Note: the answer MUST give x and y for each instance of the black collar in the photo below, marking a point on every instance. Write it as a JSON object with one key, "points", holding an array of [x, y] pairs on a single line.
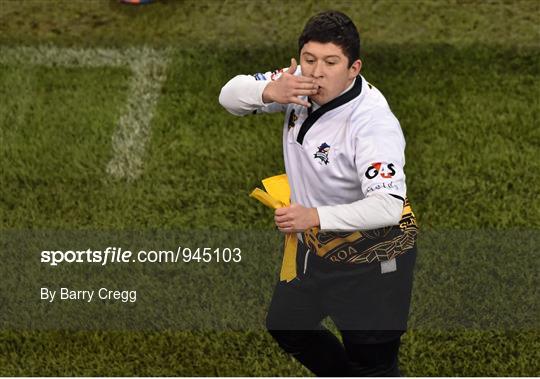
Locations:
{"points": [[338, 101]]}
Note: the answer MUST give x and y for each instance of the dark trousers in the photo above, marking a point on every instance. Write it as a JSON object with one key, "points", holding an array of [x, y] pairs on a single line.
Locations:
{"points": [[370, 309]]}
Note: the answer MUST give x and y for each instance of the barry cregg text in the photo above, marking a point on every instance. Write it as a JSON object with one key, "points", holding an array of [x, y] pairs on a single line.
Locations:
{"points": [[88, 295]]}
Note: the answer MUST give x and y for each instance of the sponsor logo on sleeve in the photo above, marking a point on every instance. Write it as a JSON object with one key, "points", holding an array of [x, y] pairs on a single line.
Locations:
{"points": [[385, 170], [322, 154], [384, 185]]}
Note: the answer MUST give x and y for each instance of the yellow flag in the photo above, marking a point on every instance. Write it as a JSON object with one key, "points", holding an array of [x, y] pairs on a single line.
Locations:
{"points": [[278, 187], [278, 195], [266, 199]]}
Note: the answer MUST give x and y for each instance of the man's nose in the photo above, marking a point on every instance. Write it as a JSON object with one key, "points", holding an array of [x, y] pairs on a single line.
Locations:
{"points": [[317, 70]]}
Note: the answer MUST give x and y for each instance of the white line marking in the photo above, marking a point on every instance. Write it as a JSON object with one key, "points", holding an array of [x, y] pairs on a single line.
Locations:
{"points": [[149, 73], [129, 139]]}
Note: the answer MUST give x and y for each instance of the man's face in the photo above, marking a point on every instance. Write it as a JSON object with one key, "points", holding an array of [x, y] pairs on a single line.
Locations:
{"points": [[330, 67]]}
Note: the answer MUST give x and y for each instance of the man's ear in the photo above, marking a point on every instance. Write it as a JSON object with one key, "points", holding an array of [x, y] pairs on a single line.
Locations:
{"points": [[355, 68]]}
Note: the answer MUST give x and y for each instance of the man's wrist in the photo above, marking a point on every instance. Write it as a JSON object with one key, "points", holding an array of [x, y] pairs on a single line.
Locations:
{"points": [[315, 218], [267, 93]]}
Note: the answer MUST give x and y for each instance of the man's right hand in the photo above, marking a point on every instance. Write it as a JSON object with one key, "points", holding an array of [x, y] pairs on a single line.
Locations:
{"points": [[288, 87]]}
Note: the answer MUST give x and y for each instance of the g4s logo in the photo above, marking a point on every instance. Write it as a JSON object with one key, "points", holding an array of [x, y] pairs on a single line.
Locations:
{"points": [[386, 170]]}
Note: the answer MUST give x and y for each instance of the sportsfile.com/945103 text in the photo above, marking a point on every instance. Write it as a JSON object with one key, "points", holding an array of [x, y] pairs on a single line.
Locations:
{"points": [[118, 255]]}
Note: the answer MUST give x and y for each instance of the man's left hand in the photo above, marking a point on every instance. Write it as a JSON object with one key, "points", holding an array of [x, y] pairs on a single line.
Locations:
{"points": [[296, 218]]}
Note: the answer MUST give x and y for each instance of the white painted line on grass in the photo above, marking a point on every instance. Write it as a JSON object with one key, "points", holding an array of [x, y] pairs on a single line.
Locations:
{"points": [[149, 73], [133, 131]]}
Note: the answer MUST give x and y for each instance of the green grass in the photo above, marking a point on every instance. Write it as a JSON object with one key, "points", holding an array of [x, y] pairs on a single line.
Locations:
{"points": [[249, 354], [258, 23], [463, 79]]}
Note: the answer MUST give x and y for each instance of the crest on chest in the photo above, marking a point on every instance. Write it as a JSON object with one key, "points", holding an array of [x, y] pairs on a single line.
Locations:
{"points": [[322, 153]]}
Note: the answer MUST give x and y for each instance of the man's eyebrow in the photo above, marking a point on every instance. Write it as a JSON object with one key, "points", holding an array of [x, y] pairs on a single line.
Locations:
{"points": [[325, 57]]}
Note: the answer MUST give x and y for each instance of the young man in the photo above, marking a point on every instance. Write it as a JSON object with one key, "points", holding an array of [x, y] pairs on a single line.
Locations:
{"points": [[344, 157]]}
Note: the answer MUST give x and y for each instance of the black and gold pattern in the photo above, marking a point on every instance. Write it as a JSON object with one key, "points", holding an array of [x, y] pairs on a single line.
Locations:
{"points": [[292, 119], [365, 246]]}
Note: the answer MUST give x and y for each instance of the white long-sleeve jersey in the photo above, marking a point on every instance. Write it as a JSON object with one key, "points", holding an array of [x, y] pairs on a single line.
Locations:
{"points": [[344, 158]]}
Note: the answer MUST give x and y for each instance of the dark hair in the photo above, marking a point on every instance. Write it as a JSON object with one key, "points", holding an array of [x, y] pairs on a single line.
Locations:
{"points": [[335, 27]]}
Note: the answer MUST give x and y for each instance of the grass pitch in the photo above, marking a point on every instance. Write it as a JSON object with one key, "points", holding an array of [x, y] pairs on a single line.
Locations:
{"points": [[463, 79]]}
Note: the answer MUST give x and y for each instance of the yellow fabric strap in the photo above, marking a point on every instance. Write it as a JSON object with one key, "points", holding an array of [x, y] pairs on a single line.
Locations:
{"points": [[288, 266], [278, 196]]}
